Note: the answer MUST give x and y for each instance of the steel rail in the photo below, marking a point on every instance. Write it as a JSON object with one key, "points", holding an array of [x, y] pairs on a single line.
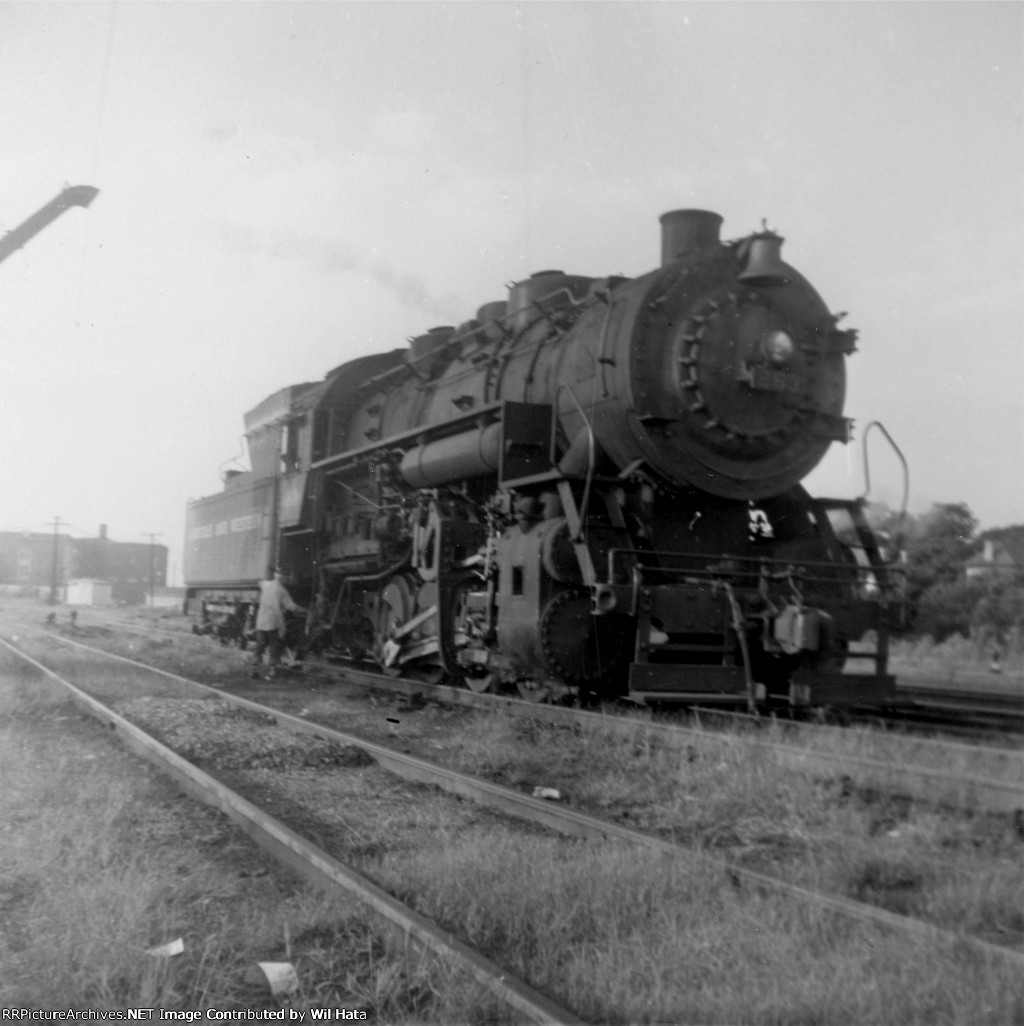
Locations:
{"points": [[1005, 695], [1002, 709], [312, 863], [968, 700], [919, 782], [573, 823], [1005, 707]]}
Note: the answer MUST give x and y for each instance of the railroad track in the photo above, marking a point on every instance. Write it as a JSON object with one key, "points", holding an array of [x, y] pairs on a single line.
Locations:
{"points": [[311, 862], [938, 786], [319, 866], [921, 783], [969, 712], [997, 708]]}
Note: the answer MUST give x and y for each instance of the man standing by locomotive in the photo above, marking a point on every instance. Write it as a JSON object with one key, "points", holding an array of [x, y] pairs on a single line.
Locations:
{"points": [[270, 620]]}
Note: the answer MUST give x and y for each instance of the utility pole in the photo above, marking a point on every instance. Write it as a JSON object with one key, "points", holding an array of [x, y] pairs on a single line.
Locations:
{"points": [[53, 569], [152, 549]]}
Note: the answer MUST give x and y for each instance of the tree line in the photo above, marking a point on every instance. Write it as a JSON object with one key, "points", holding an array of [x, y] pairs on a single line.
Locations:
{"points": [[941, 599]]}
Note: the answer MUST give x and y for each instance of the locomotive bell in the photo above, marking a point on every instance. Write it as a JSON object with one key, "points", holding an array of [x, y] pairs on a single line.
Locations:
{"points": [[764, 268]]}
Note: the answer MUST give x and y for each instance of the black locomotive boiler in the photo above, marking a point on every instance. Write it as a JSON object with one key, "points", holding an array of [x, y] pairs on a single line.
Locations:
{"points": [[592, 486]]}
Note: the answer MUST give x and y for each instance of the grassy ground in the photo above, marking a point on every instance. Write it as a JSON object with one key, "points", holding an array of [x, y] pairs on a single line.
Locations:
{"points": [[102, 860], [622, 935], [626, 936], [635, 939]]}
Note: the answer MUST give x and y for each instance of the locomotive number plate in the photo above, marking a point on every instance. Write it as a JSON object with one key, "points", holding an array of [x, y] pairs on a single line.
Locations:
{"points": [[764, 379]]}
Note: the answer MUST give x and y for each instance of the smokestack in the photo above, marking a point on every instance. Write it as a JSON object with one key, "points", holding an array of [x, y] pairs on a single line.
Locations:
{"points": [[103, 532], [683, 230]]}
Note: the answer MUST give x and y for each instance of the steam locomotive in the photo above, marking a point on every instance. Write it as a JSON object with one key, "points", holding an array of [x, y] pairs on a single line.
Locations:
{"points": [[592, 487]]}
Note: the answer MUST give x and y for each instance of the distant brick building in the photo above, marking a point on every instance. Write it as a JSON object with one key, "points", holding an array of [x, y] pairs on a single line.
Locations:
{"points": [[27, 558], [130, 568], [125, 565]]}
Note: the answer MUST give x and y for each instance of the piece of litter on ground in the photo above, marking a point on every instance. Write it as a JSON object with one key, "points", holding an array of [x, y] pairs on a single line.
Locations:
{"points": [[168, 950], [279, 976]]}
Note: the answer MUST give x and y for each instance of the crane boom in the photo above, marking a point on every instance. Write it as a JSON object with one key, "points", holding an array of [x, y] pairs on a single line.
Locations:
{"points": [[72, 196]]}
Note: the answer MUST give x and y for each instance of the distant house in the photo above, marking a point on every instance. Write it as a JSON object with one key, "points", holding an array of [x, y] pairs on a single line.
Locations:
{"points": [[87, 592], [993, 561]]}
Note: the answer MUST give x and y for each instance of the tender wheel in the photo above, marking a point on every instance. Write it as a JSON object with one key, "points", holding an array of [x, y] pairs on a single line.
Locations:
{"points": [[533, 690], [428, 673], [481, 683]]}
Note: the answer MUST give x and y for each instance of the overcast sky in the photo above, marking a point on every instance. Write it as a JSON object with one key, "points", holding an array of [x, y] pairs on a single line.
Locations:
{"points": [[286, 186]]}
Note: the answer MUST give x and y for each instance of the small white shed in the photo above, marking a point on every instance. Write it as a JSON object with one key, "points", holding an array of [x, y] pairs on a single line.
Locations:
{"points": [[86, 592]]}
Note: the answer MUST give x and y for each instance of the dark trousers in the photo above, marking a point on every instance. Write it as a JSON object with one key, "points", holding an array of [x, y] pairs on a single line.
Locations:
{"points": [[271, 640]]}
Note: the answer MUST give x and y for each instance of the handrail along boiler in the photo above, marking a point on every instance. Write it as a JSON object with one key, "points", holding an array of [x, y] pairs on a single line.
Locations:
{"points": [[592, 486]]}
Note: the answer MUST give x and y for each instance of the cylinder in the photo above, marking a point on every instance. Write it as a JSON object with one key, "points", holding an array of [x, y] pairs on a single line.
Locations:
{"points": [[471, 454], [683, 230]]}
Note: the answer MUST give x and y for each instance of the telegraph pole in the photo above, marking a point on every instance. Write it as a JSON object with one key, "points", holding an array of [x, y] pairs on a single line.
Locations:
{"points": [[152, 549], [53, 569]]}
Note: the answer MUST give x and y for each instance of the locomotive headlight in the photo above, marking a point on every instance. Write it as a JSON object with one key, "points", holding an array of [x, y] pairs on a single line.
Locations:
{"points": [[778, 347]]}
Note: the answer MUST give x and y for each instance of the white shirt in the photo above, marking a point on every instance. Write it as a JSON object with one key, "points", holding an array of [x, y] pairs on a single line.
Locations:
{"points": [[274, 600]]}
